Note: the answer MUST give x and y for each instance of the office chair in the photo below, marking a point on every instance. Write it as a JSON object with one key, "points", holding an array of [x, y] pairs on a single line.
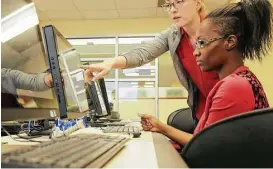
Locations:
{"points": [[242, 141], [182, 119]]}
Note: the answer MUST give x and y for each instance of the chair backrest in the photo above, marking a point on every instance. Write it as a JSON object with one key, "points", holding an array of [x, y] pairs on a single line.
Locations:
{"points": [[243, 141], [182, 119]]}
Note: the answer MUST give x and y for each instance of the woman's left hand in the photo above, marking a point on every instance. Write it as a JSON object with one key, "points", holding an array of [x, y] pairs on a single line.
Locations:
{"points": [[150, 123]]}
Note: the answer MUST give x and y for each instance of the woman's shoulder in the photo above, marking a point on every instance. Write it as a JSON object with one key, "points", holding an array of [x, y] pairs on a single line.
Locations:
{"points": [[235, 82], [171, 30], [231, 86]]}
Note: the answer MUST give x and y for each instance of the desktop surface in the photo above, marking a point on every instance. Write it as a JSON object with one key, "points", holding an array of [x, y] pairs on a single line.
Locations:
{"points": [[151, 150]]}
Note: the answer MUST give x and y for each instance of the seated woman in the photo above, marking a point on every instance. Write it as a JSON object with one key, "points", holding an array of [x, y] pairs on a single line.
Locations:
{"points": [[226, 38]]}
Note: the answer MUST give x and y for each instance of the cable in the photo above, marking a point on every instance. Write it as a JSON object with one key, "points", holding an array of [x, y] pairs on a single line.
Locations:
{"points": [[31, 127], [29, 138], [26, 138]]}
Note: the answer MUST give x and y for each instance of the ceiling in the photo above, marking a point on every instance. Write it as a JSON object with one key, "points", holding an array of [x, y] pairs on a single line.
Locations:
{"points": [[105, 9], [96, 9]]}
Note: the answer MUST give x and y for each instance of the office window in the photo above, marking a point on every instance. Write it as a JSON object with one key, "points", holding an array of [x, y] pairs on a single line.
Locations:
{"points": [[94, 47], [95, 50], [170, 90], [111, 91], [136, 90], [137, 86]]}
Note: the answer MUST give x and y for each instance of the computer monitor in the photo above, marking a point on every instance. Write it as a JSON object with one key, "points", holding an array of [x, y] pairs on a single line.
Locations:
{"points": [[24, 95], [97, 99], [64, 62], [104, 95]]}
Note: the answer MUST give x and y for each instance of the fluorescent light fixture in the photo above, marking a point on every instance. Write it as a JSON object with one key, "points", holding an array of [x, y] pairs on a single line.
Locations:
{"points": [[134, 83], [18, 22], [148, 86], [151, 67], [131, 74], [82, 42], [137, 74], [149, 83], [133, 40], [107, 41], [77, 42], [102, 41], [126, 71]]}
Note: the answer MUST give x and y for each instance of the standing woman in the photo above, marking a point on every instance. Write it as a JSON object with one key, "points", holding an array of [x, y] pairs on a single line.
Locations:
{"points": [[179, 39]]}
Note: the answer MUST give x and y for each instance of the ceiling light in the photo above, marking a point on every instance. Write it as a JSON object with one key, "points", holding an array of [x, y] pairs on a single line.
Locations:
{"points": [[133, 40], [149, 83], [131, 74], [77, 42], [148, 86]]}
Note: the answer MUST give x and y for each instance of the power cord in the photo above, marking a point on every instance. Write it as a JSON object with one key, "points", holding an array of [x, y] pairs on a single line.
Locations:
{"points": [[29, 139]]}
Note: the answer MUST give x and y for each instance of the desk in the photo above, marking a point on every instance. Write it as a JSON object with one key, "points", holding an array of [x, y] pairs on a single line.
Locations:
{"points": [[150, 150]]}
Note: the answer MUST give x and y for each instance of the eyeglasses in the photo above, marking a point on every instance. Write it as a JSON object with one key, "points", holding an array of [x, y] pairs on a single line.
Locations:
{"points": [[202, 43], [176, 4]]}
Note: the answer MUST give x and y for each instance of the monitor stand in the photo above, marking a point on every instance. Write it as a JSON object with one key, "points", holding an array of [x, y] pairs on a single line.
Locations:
{"points": [[95, 122]]}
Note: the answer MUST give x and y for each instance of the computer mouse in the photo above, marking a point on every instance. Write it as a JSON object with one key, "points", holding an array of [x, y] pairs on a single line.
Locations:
{"points": [[136, 134]]}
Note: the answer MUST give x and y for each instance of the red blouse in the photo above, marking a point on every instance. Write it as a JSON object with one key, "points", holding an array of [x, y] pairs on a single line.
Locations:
{"points": [[237, 93]]}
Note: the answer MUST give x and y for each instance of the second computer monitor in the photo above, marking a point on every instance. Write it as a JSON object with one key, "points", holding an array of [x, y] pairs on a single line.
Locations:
{"points": [[97, 98]]}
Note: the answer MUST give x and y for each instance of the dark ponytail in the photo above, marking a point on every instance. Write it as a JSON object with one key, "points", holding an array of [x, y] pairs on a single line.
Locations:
{"points": [[251, 21]]}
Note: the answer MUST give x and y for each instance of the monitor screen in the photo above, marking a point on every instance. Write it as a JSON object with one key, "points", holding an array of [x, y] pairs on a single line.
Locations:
{"points": [[97, 98], [68, 78], [104, 95], [101, 101], [26, 91]]}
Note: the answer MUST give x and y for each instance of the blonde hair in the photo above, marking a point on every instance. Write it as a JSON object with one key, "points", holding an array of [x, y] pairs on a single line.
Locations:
{"points": [[202, 10]]}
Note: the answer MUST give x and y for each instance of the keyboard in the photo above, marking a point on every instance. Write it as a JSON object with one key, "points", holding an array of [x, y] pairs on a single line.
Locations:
{"points": [[135, 131], [78, 151], [118, 123]]}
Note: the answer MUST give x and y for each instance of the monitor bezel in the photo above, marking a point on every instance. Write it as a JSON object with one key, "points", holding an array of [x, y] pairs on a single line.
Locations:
{"points": [[53, 62]]}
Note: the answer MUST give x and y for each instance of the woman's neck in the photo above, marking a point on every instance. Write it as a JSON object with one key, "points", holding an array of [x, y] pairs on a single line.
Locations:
{"points": [[192, 27], [230, 66]]}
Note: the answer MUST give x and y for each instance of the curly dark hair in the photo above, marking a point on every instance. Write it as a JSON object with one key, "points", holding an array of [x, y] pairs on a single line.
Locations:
{"points": [[251, 22]]}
